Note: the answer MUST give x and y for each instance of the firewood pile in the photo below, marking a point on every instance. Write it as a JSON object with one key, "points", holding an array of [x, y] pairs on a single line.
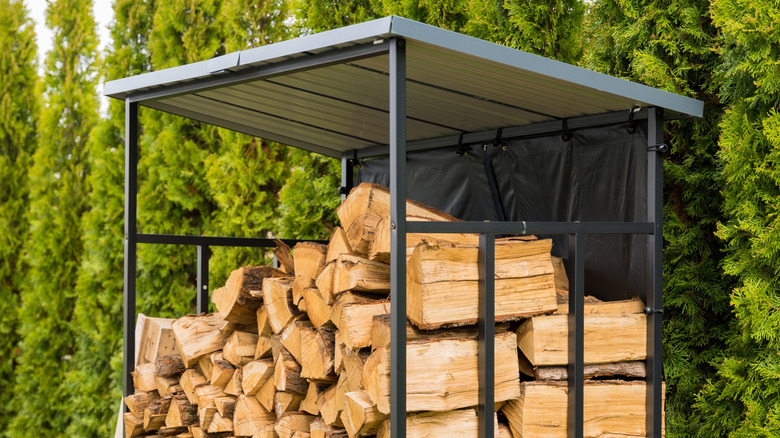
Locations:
{"points": [[304, 350]]}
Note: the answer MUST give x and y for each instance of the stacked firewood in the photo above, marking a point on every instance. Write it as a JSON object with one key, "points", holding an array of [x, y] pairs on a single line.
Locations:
{"points": [[304, 350]]}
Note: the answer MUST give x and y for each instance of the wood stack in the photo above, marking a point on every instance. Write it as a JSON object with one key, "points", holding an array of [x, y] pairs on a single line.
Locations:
{"points": [[304, 350]]}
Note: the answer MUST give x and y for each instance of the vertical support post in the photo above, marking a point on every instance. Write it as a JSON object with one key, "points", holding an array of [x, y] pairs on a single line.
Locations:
{"points": [[398, 238], [576, 369], [487, 334], [655, 205], [202, 295], [347, 174], [131, 241]]}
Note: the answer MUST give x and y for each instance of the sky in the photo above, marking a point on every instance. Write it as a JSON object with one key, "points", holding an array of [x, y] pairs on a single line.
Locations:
{"points": [[104, 13]]}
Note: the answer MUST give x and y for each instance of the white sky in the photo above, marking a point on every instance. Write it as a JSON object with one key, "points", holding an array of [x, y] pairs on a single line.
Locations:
{"points": [[104, 13]]}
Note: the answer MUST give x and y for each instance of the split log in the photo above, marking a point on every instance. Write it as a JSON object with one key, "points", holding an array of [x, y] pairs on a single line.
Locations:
{"points": [[317, 351], [317, 309], [361, 417], [612, 408], [181, 412], [156, 340], [344, 299], [359, 274], [197, 335], [354, 361], [169, 366], [167, 385], [220, 424], [235, 301], [441, 373], [240, 347], [291, 336], [143, 378], [222, 372], [206, 362], [324, 282], [255, 374], [379, 248], [264, 348], [287, 374], [284, 257], [226, 406], [277, 295], [631, 370], [206, 395], [594, 306], [357, 319], [155, 413], [338, 244], [134, 426], [286, 402], [233, 386], [319, 429], [250, 418], [309, 259], [266, 395], [298, 285], [327, 405], [292, 422], [309, 403], [364, 208], [263, 324], [190, 380], [443, 282], [462, 423], [544, 340], [139, 401]]}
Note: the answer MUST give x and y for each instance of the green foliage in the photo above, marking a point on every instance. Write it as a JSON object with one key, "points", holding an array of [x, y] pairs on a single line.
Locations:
{"points": [[545, 27], [58, 199], [19, 109], [744, 399], [667, 45]]}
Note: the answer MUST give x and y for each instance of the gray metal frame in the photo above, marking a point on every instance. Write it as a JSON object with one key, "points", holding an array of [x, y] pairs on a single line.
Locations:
{"points": [[397, 150]]}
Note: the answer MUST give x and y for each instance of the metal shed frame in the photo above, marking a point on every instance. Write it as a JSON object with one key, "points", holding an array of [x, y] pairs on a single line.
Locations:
{"points": [[389, 37]]}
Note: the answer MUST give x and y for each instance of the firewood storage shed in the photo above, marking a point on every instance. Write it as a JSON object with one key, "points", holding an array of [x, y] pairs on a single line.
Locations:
{"points": [[511, 142]]}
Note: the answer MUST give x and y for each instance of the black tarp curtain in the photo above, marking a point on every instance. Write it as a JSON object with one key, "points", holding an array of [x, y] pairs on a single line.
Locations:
{"points": [[598, 175]]}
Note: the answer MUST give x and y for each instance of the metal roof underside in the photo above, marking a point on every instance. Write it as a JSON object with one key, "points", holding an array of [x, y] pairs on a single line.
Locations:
{"points": [[335, 96]]}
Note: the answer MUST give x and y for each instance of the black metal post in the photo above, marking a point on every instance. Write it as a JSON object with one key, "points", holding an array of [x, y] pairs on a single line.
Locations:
{"points": [[347, 174], [131, 231], [655, 205], [487, 334], [577, 338], [398, 238], [202, 295]]}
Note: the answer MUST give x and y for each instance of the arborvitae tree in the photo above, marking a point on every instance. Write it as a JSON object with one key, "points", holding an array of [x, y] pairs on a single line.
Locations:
{"points": [[58, 199], [18, 119], [94, 381], [667, 45], [744, 399]]}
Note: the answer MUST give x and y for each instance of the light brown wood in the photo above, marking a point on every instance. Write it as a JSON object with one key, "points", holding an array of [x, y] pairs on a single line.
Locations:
{"points": [[291, 336], [286, 402], [220, 424], [309, 403], [561, 278], [327, 405], [634, 370], [441, 373], [462, 423], [155, 413], [240, 348], [264, 348], [255, 374], [594, 306], [263, 325], [222, 372], [361, 417], [250, 418], [319, 429], [317, 351], [197, 335], [354, 361], [233, 386], [134, 426], [156, 339], [379, 248], [317, 309], [181, 412], [298, 285], [206, 394], [324, 282], [360, 274], [139, 401], [143, 378], [205, 363], [309, 259], [287, 374], [504, 431], [167, 385], [169, 366], [226, 406], [191, 379], [343, 300], [277, 295], [206, 416], [611, 408], [364, 208], [292, 422], [356, 321], [265, 396], [284, 256], [608, 338], [338, 244], [239, 299], [442, 283], [380, 331]]}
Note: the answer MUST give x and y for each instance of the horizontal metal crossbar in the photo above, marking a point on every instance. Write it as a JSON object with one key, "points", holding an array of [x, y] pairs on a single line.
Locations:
{"points": [[247, 242], [523, 227]]}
